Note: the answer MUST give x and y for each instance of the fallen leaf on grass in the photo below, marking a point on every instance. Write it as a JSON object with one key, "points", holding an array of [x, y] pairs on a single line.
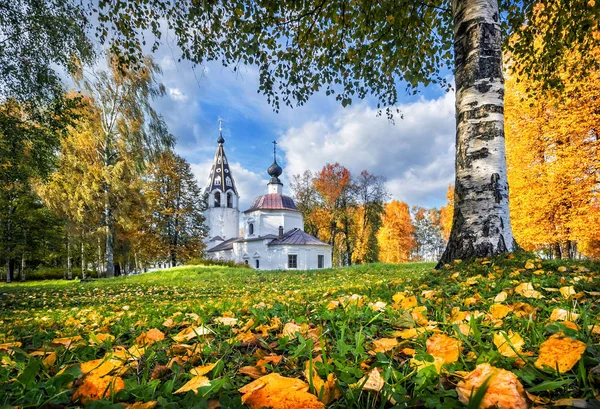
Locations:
{"points": [[228, 321], [277, 392], [141, 405], [499, 311], [100, 367], [501, 296], [160, 371], [371, 382], [326, 391], [66, 342], [510, 344], [269, 359], [203, 370], [94, 388], [150, 337], [383, 345], [558, 314], [251, 371], [504, 389], [10, 345], [444, 347], [274, 323], [527, 291], [50, 360], [290, 329], [193, 384], [567, 292], [420, 365], [191, 333], [559, 351]]}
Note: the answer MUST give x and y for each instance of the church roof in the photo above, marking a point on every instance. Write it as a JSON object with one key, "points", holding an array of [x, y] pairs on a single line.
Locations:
{"points": [[297, 237], [220, 177], [273, 201], [226, 245]]}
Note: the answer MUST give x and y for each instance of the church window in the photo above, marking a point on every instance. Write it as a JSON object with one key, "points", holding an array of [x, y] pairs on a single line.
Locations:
{"points": [[257, 263], [246, 262], [228, 181], [251, 228], [292, 261], [219, 160], [218, 180], [218, 170], [218, 199], [229, 200], [224, 160], [320, 261], [226, 170]]}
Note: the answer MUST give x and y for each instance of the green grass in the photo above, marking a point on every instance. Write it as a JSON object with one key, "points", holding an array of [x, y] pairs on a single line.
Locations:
{"points": [[35, 313]]}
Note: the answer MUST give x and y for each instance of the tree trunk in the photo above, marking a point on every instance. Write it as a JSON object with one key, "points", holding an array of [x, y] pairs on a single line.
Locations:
{"points": [[7, 269], [23, 266], [481, 223], [99, 258], [82, 260], [69, 264], [110, 238]]}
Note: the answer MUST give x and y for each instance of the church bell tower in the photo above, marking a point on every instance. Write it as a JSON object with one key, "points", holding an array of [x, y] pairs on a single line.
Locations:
{"points": [[222, 214]]}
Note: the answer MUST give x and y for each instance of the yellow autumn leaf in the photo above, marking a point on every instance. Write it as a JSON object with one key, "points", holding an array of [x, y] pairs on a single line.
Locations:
{"points": [[529, 265], [499, 311], [100, 338], [290, 329], [409, 302], [191, 333], [383, 345], [418, 314], [509, 345], [444, 347], [560, 352], [203, 370], [504, 391], [371, 382], [100, 367], [527, 291], [150, 337], [558, 314], [10, 345], [94, 388], [277, 392], [567, 292], [420, 365], [325, 390], [193, 384], [501, 297], [409, 333], [228, 321], [66, 342]]}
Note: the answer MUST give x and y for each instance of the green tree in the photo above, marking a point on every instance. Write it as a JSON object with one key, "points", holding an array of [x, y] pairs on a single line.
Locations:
{"points": [[176, 207], [130, 131], [356, 48]]}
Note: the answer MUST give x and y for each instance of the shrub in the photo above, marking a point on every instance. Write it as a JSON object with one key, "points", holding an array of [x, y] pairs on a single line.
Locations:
{"points": [[209, 262]]}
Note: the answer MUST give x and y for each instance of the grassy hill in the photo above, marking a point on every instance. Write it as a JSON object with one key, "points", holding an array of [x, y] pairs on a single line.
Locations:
{"points": [[371, 336]]}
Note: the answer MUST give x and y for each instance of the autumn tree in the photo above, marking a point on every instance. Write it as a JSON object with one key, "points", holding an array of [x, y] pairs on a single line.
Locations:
{"points": [[130, 131], [446, 213], [175, 205], [428, 234], [371, 195], [554, 167], [307, 200], [396, 235]]}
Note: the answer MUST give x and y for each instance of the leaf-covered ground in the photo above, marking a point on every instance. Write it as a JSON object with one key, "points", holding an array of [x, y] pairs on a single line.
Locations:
{"points": [[501, 333]]}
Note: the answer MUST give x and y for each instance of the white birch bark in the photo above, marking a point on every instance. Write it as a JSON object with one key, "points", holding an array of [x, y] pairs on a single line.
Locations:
{"points": [[481, 223]]}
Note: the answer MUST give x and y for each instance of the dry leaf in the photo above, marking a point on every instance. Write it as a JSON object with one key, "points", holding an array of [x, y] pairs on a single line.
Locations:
{"points": [[229, 321], [499, 311], [501, 296], [193, 384], [504, 389], [508, 347], [100, 367], [274, 323], [277, 392], [191, 333], [409, 302], [97, 339], [558, 314], [269, 359], [527, 291], [371, 382], [50, 360], [141, 405], [444, 347], [420, 365], [203, 370], [160, 371], [150, 337], [326, 391], [290, 329], [383, 345], [94, 388], [10, 345], [567, 292], [251, 371], [65, 342], [559, 351]]}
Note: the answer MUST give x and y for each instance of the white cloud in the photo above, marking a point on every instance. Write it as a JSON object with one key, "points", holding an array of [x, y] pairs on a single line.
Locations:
{"points": [[249, 184], [415, 154], [177, 95]]}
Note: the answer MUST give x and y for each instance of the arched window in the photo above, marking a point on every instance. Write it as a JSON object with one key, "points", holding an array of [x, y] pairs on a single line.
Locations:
{"points": [[218, 180], [219, 160], [257, 263], [217, 199], [251, 228], [229, 199], [228, 181]]}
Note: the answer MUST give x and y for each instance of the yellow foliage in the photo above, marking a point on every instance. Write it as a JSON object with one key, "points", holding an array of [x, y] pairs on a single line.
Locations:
{"points": [[560, 352], [395, 237], [277, 392], [444, 347], [504, 389]]}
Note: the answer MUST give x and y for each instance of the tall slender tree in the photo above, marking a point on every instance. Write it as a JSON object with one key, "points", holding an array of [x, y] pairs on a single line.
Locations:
{"points": [[130, 129]]}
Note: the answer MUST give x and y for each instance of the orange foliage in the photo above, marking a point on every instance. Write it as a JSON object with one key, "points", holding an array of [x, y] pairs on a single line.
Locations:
{"points": [[553, 162], [395, 237], [446, 213]]}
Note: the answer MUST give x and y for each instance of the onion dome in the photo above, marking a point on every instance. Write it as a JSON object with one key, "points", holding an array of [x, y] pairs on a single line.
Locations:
{"points": [[220, 139], [275, 171]]}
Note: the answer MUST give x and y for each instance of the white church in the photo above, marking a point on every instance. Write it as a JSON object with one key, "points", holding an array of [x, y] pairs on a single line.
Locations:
{"points": [[273, 227]]}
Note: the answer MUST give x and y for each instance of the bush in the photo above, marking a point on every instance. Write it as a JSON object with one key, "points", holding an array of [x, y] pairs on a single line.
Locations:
{"points": [[51, 273], [209, 262]]}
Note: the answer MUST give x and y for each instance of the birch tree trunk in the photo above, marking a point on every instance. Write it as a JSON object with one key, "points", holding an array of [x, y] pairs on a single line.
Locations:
{"points": [[23, 266], [481, 222], [99, 258], [82, 260], [69, 264]]}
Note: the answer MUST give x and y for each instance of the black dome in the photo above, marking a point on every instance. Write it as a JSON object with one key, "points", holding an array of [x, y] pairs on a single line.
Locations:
{"points": [[220, 139], [275, 170]]}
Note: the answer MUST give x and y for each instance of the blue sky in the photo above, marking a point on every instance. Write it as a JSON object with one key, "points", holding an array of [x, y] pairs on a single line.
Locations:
{"points": [[415, 154]]}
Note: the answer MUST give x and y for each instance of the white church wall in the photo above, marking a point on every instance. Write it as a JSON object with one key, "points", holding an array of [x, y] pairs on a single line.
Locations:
{"points": [[268, 222], [223, 222]]}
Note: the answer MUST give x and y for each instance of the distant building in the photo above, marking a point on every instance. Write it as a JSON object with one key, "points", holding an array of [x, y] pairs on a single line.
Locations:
{"points": [[274, 237]]}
